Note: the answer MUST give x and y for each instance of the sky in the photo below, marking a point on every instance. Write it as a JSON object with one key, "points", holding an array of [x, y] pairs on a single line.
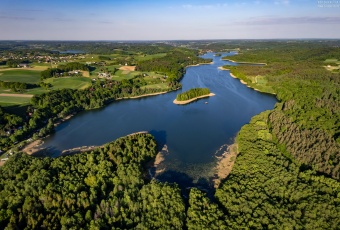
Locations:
{"points": [[168, 20]]}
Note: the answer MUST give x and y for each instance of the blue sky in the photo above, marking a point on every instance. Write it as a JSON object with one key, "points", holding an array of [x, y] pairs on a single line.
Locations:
{"points": [[168, 20]]}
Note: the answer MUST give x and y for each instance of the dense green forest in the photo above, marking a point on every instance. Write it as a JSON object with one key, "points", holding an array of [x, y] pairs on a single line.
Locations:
{"points": [[268, 189], [100, 189], [192, 93], [307, 121]]}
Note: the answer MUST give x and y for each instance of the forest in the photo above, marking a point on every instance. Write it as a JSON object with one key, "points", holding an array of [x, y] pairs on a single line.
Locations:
{"points": [[174, 63], [192, 93], [307, 121], [286, 175], [102, 189]]}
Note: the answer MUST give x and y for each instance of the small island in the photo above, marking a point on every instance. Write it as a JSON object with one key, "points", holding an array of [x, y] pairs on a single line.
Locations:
{"points": [[192, 95]]}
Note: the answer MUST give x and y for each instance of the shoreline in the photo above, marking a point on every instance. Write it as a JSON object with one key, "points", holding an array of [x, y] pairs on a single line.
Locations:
{"points": [[33, 147], [243, 82], [144, 95], [193, 99], [254, 63], [200, 64]]}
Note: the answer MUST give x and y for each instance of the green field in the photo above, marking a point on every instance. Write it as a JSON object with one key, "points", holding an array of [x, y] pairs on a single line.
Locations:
{"points": [[69, 83], [20, 75], [156, 86], [149, 57], [9, 101], [332, 60]]}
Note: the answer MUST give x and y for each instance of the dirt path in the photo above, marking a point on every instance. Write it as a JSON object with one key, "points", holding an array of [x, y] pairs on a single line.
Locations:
{"points": [[16, 95]]}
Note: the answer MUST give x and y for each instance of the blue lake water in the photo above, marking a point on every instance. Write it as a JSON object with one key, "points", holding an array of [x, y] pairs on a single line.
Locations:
{"points": [[193, 133]]}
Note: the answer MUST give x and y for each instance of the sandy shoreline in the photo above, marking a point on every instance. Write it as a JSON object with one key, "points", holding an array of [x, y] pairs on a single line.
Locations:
{"points": [[156, 166], [191, 100], [33, 147], [146, 95], [225, 164]]}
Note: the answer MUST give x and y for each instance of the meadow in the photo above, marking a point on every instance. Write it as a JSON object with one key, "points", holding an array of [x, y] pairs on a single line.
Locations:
{"points": [[69, 83], [14, 100], [20, 75]]}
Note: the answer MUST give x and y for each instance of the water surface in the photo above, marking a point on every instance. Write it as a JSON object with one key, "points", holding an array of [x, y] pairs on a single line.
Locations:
{"points": [[193, 133]]}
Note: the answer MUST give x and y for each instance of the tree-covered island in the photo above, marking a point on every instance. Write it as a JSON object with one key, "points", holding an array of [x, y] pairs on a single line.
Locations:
{"points": [[192, 95]]}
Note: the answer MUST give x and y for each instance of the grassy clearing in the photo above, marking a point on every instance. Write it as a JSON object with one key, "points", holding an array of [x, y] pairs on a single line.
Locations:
{"points": [[20, 75], [149, 57], [10, 101], [156, 86], [69, 83], [331, 60]]}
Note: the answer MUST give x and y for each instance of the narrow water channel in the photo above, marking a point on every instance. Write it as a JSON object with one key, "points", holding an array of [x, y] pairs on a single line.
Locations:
{"points": [[192, 133]]}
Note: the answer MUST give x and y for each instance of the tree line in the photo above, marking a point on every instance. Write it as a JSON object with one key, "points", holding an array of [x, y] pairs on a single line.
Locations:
{"points": [[57, 72], [192, 93], [17, 86]]}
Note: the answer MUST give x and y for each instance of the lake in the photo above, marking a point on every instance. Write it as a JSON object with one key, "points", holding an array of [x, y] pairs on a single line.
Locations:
{"points": [[193, 133]]}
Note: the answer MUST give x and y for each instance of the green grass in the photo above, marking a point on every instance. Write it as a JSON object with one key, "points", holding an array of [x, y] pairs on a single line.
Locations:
{"points": [[149, 57], [37, 91], [69, 83], [10, 101], [260, 80], [331, 60], [20, 75], [156, 86]]}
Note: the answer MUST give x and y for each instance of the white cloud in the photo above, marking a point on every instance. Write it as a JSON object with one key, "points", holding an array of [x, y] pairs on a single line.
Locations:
{"points": [[290, 20]]}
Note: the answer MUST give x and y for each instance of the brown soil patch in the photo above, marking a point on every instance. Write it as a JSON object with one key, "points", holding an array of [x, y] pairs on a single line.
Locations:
{"points": [[16, 95], [85, 73], [128, 68]]}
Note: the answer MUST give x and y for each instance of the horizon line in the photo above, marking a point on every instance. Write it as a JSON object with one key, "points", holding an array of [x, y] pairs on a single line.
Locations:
{"points": [[162, 40]]}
